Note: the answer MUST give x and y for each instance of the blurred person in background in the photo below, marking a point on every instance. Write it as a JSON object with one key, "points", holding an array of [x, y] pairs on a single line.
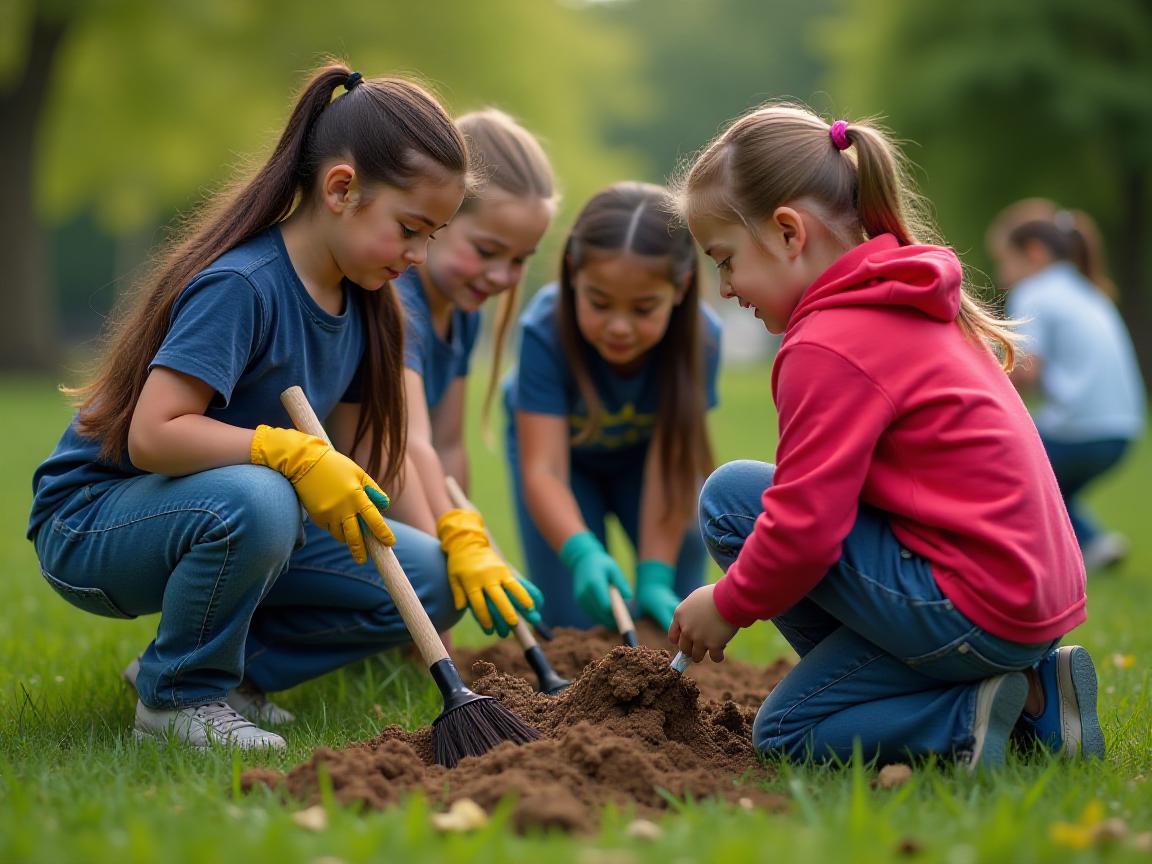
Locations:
{"points": [[1081, 363]]}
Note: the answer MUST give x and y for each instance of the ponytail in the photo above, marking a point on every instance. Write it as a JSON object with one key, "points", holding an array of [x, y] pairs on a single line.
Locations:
{"points": [[380, 125], [784, 152]]}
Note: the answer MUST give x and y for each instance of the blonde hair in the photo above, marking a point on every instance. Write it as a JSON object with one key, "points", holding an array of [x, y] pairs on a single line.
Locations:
{"points": [[782, 152], [507, 157]]}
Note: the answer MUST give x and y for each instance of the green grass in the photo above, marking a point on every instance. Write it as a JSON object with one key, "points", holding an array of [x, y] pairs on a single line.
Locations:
{"points": [[74, 786]]}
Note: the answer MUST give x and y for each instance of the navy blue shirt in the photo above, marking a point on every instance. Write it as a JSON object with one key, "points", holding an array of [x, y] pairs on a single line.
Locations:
{"points": [[439, 362], [543, 384], [248, 328]]}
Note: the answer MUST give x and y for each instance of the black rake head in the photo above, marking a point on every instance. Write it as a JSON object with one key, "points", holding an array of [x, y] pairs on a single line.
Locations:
{"points": [[474, 728]]}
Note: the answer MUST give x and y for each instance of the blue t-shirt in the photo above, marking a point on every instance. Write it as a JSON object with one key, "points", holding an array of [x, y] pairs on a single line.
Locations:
{"points": [[542, 383], [247, 327], [439, 362], [1089, 377]]}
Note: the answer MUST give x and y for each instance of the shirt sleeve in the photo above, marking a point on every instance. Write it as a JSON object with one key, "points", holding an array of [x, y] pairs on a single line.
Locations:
{"points": [[470, 331], [540, 383], [831, 418], [1027, 310], [417, 329], [218, 325], [712, 350]]}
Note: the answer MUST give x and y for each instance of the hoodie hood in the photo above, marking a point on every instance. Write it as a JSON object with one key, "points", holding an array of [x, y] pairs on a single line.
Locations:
{"points": [[881, 272]]}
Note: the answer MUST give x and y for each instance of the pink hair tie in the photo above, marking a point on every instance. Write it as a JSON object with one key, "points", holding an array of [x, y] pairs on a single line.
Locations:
{"points": [[839, 135]]}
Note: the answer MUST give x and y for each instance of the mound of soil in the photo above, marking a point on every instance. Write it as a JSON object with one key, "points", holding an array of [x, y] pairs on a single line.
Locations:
{"points": [[572, 650], [629, 731]]}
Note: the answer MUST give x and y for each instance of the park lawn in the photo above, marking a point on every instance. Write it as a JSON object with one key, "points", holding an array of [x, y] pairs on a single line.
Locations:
{"points": [[75, 787]]}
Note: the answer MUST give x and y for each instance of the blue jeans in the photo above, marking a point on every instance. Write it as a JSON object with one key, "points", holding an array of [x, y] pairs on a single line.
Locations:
{"points": [[245, 586], [613, 485], [1076, 464], [885, 658]]}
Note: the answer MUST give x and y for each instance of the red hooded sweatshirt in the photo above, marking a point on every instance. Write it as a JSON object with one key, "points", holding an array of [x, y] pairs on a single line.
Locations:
{"points": [[883, 399]]}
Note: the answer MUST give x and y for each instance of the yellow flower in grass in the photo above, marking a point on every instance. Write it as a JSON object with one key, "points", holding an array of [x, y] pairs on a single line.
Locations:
{"points": [[1080, 834], [1123, 661]]}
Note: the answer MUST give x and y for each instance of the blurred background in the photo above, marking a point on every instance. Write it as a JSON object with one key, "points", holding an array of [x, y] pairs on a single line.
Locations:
{"points": [[118, 114]]}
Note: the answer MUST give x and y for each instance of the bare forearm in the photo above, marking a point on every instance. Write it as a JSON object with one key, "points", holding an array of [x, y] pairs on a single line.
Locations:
{"points": [[553, 508], [410, 503], [188, 444], [454, 460], [661, 532]]}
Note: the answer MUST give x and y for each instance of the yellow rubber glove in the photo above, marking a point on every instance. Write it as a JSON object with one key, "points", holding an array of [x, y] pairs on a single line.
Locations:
{"points": [[476, 572], [329, 484]]}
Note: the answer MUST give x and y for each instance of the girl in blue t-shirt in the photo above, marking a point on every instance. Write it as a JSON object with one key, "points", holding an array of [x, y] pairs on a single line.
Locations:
{"points": [[180, 488], [480, 255], [607, 410]]}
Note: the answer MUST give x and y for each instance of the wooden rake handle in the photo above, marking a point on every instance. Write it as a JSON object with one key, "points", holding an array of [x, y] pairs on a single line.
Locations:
{"points": [[416, 619], [459, 499]]}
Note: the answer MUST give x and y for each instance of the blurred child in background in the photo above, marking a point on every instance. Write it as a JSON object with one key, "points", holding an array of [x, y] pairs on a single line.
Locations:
{"points": [[1080, 359], [606, 411], [480, 255], [910, 541]]}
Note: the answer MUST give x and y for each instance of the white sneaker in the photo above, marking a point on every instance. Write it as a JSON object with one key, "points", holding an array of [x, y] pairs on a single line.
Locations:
{"points": [[1104, 551], [250, 701], [202, 726]]}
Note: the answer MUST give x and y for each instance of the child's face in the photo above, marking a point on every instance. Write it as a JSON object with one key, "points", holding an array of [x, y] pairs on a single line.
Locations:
{"points": [[623, 303], [388, 231], [751, 271], [1014, 264], [482, 252]]}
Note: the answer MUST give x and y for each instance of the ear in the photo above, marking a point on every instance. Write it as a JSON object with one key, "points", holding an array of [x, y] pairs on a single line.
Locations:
{"points": [[340, 188], [789, 226]]}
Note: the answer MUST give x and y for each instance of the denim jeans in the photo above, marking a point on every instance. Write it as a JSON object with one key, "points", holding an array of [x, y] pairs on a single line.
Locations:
{"points": [[1076, 464], [245, 586], [885, 658], [613, 487]]}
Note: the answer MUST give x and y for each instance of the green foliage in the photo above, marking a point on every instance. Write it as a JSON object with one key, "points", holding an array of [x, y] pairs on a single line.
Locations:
{"points": [[1003, 100], [154, 101]]}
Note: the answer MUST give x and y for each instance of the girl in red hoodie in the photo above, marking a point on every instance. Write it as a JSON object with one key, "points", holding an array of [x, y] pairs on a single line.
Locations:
{"points": [[910, 542]]}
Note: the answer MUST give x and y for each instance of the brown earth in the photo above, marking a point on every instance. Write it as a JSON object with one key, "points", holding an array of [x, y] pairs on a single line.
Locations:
{"points": [[744, 683], [629, 731]]}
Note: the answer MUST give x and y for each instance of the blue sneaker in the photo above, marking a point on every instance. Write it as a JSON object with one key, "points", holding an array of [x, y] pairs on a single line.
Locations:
{"points": [[999, 701], [1068, 725]]}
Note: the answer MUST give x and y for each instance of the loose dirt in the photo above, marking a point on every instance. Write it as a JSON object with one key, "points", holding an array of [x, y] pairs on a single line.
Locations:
{"points": [[629, 732]]}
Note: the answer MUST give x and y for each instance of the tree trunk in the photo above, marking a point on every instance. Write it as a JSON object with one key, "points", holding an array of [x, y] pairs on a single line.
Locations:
{"points": [[1133, 257], [28, 316]]}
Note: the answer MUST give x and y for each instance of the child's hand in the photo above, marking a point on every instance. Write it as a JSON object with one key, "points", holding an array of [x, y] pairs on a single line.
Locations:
{"points": [[698, 628]]}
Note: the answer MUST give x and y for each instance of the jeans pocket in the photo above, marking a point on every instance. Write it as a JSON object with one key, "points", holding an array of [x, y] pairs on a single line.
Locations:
{"points": [[92, 600]]}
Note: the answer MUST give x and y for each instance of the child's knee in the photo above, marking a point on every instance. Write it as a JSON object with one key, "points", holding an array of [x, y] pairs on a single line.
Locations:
{"points": [[260, 512], [729, 505], [772, 735]]}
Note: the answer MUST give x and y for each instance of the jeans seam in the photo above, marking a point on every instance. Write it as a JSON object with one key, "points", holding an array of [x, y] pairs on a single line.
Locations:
{"points": [[62, 527], [818, 691], [909, 599], [720, 539]]}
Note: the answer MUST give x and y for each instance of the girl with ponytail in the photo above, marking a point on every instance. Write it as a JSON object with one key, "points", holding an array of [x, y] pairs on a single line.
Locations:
{"points": [[180, 486], [910, 542]]}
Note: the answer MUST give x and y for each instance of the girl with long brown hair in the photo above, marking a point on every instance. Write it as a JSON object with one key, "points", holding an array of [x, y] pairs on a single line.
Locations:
{"points": [[606, 409], [910, 541], [180, 486], [481, 255]]}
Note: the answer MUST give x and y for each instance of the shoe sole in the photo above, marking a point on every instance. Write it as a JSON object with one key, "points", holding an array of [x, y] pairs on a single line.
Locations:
{"points": [[1007, 698], [166, 740], [1079, 721]]}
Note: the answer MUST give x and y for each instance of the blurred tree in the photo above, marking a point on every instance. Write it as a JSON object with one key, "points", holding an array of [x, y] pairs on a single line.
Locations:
{"points": [[707, 62], [130, 108], [1006, 100]]}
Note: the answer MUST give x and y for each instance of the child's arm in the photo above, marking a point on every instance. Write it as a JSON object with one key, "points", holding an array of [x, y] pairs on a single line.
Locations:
{"points": [[662, 530], [170, 435], [544, 455], [448, 432]]}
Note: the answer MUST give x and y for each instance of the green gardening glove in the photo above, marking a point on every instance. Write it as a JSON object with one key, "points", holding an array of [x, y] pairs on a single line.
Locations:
{"points": [[654, 594], [593, 570], [532, 616]]}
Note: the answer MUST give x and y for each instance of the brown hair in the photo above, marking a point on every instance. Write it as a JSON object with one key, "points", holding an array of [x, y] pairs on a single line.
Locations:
{"points": [[1069, 235], [637, 218], [395, 133], [782, 152], [505, 156]]}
